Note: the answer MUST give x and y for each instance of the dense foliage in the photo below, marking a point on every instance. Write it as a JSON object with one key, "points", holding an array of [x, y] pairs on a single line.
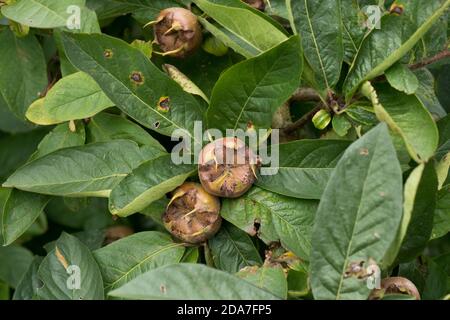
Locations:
{"points": [[95, 95]]}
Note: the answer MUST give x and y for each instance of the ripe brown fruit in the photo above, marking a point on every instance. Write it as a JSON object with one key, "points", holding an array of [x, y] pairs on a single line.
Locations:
{"points": [[178, 32], [257, 4], [115, 233], [395, 285], [192, 214], [227, 167]]}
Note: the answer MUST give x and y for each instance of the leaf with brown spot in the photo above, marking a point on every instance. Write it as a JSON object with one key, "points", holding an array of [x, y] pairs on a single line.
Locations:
{"points": [[273, 218], [61, 258], [61, 269]]}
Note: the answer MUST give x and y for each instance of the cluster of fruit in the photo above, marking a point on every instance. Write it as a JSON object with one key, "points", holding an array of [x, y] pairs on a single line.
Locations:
{"points": [[226, 168]]}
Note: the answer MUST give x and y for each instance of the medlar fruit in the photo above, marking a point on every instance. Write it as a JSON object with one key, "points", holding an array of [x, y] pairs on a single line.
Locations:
{"points": [[115, 233], [227, 167], [177, 31], [192, 214], [395, 285], [257, 4]]}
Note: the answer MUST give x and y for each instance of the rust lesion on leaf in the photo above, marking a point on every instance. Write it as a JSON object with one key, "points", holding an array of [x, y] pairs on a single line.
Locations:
{"points": [[364, 152], [61, 258], [360, 269], [355, 269], [250, 126], [108, 53], [256, 227], [397, 9], [163, 104], [137, 78]]}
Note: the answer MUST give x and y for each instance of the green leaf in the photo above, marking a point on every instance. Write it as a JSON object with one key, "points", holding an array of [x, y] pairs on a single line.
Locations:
{"points": [[146, 47], [4, 291], [18, 211], [91, 170], [41, 13], [190, 282], [444, 130], [362, 113], [69, 272], [402, 78], [23, 77], [214, 46], [74, 97], [232, 249], [133, 83], [151, 250], [156, 209], [16, 149], [273, 218], [269, 278], [79, 213], [319, 24], [353, 29], [39, 227], [145, 10], [205, 69], [357, 216], [441, 224], [298, 283], [436, 282], [407, 118], [443, 153], [410, 192], [277, 8], [191, 255], [10, 122], [385, 46], [304, 167], [427, 95], [248, 25], [251, 91], [27, 287], [184, 81], [435, 40], [229, 39], [110, 8], [60, 137], [15, 262], [341, 125], [422, 213], [442, 84], [105, 127], [147, 183]]}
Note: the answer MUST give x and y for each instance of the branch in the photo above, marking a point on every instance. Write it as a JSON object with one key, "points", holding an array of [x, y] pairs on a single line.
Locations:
{"points": [[303, 120], [305, 94], [441, 55]]}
